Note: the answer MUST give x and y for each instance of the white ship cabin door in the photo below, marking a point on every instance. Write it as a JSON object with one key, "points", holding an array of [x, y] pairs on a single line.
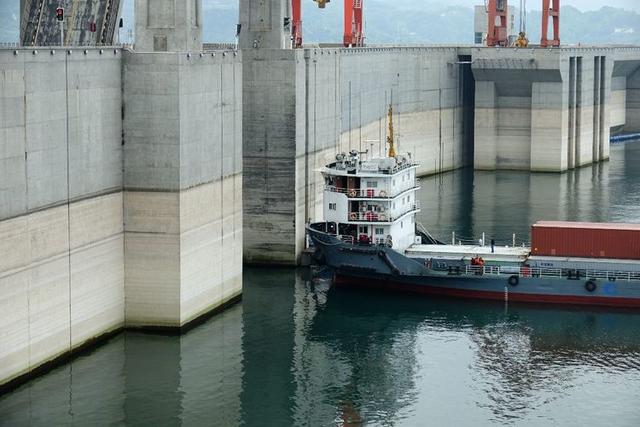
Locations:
{"points": [[353, 183]]}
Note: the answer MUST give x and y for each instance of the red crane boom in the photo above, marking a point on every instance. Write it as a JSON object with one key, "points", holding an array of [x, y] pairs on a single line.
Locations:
{"points": [[497, 34], [550, 9], [296, 25], [353, 23]]}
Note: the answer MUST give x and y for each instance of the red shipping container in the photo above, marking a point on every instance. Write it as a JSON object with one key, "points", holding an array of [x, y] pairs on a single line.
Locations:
{"points": [[586, 240]]}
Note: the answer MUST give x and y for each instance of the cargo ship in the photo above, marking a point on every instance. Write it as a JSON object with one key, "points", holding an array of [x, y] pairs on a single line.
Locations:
{"points": [[370, 238]]}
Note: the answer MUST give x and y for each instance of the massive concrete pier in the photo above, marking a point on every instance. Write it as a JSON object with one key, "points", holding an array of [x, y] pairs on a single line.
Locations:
{"points": [[120, 193], [550, 110], [302, 107]]}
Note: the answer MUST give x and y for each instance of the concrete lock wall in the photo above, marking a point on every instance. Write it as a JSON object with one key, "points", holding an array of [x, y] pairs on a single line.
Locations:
{"points": [[303, 107], [61, 232], [543, 110], [618, 101], [183, 185], [632, 123], [89, 217]]}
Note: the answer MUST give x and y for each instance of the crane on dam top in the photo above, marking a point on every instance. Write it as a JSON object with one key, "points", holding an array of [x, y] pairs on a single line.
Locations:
{"points": [[550, 9], [353, 22], [497, 15], [497, 34]]}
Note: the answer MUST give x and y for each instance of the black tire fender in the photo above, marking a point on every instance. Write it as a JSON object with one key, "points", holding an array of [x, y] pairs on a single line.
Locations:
{"points": [[514, 280], [590, 286]]}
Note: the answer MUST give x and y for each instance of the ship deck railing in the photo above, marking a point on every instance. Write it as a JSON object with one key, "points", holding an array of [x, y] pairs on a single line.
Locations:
{"points": [[371, 216], [527, 272], [370, 193]]}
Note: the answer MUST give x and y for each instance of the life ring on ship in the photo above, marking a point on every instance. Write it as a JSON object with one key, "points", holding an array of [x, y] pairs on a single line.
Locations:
{"points": [[353, 216], [382, 217], [382, 193], [514, 280], [352, 193], [590, 286]]}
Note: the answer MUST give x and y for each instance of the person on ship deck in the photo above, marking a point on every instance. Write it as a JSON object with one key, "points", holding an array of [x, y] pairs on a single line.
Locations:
{"points": [[477, 263]]}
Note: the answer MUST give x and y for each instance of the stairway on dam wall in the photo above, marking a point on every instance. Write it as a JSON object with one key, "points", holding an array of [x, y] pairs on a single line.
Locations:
{"points": [[135, 182]]}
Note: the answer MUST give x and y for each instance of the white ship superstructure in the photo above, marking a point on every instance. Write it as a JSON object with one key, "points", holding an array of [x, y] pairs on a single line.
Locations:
{"points": [[372, 201]]}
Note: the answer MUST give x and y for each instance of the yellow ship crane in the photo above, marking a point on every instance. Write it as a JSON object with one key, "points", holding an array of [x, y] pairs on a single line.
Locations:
{"points": [[390, 140]]}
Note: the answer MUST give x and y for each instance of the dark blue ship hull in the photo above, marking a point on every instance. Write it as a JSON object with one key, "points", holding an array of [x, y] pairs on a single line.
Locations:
{"points": [[383, 267]]}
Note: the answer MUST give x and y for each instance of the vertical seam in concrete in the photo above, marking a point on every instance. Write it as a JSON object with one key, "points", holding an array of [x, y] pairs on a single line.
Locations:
{"points": [[26, 206], [26, 140], [235, 166], [603, 108], [577, 154], [306, 134], [596, 105], [338, 104], [454, 109], [359, 122], [221, 92], [66, 75], [123, 82], [179, 80], [440, 154], [349, 116]]}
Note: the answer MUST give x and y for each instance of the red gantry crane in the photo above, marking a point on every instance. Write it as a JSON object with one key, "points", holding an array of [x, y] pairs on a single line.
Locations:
{"points": [[353, 22], [497, 15], [296, 27], [497, 34], [353, 28], [550, 9]]}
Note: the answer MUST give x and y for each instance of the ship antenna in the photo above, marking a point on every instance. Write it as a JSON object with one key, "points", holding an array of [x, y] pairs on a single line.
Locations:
{"points": [[390, 140]]}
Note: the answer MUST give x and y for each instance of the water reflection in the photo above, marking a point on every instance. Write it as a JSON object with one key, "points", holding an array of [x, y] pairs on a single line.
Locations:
{"points": [[522, 357], [141, 379], [296, 352]]}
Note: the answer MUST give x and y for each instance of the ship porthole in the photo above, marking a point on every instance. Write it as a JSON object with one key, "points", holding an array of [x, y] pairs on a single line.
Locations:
{"points": [[514, 280], [590, 286]]}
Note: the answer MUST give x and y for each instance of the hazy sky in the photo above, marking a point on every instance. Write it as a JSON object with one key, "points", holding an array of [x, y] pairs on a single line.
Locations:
{"points": [[579, 4]]}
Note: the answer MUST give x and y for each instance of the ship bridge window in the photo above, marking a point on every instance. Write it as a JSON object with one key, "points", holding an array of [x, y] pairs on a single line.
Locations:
{"points": [[380, 231], [372, 184], [332, 206], [363, 229]]}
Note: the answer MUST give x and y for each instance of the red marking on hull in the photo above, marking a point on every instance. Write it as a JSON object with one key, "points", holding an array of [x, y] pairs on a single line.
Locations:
{"points": [[464, 293]]}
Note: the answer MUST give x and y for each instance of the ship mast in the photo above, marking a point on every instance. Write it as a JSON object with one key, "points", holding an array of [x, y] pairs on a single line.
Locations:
{"points": [[390, 140]]}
